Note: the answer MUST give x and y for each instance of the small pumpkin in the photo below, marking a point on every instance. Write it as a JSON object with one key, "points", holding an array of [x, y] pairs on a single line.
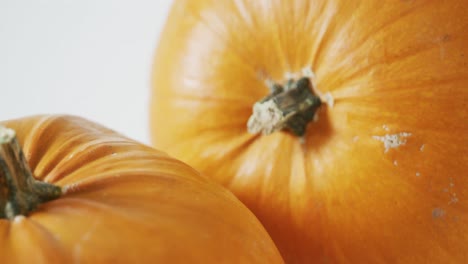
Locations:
{"points": [[365, 107], [118, 202]]}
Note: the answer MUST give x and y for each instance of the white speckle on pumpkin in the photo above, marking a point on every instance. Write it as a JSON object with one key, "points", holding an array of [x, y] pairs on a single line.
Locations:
{"points": [[453, 199], [19, 218], [355, 138], [66, 188], [418, 174], [316, 117], [393, 140], [290, 75], [302, 140], [438, 213], [328, 98], [307, 72], [422, 147], [385, 127], [395, 162]]}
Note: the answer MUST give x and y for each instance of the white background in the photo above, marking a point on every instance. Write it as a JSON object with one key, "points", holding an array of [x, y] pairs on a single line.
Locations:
{"points": [[90, 58]]}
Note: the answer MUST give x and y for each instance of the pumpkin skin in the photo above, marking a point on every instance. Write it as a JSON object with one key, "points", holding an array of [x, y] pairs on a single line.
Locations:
{"points": [[337, 195], [124, 202]]}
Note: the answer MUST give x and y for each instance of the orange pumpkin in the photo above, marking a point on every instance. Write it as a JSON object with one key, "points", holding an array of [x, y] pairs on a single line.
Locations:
{"points": [[381, 176], [121, 202]]}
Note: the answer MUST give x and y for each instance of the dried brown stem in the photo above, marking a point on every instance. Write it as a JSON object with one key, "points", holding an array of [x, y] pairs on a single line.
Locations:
{"points": [[20, 193], [290, 107]]}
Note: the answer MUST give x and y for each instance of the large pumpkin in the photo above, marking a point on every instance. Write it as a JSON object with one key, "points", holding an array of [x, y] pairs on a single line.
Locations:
{"points": [[381, 175], [121, 202]]}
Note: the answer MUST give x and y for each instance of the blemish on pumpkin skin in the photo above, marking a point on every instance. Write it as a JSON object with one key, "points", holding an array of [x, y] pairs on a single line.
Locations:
{"points": [[418, 174], [355, 138], [393, 140], [422, 147], [451, 183], [453, 199], [440, 41], [438, 213], [453, 195], [445, 38], [395, 162], [86, 236]]}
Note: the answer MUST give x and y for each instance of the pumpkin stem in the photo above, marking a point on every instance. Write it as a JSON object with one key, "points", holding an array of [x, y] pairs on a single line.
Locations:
{"points": [[290, 107], [20, 193]]}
